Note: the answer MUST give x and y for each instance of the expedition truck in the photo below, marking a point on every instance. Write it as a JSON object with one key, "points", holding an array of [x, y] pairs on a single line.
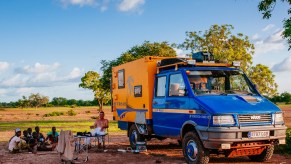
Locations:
{"points": [[209, 107]]}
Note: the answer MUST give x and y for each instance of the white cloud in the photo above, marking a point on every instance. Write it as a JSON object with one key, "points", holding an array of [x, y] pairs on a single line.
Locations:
{"points": [[179, 52], [274, 42], [39, 75], [37, 68], [104, 5], [130, 5], [255, 37], [268, 27], [21, 91], [3, 91], [16, 80], [80, 3], [4, 66], [284, 65], [75, 73]]}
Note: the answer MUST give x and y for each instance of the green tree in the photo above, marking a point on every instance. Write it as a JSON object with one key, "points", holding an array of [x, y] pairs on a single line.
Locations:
{"points": [[227, 47], [263, 77], [222, 43], [37, 100], [91, 80], [267, 6], [162, 49], [24, 102], [286, 97], [71, 102], [59, 101]]}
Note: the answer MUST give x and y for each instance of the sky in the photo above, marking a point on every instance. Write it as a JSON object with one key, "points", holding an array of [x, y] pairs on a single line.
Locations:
{"points": [[47, 46]]}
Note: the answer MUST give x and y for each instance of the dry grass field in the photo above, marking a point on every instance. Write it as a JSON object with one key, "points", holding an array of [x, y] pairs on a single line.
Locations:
{"points": [[11, 118], [166, 151]]}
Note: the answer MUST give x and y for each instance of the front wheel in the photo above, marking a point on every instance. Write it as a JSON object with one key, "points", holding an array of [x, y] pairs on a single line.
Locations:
{"points": [[193, 150], [264, 156], [134, 136]]}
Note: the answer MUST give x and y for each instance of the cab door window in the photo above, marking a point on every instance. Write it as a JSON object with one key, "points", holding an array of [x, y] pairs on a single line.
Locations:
{"points": [[177, 85], [161, 86]]}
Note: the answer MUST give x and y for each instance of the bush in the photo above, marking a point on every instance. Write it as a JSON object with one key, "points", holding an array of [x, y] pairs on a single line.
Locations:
{"points": [[74, 106], [53, 114], [94, 117], [71, 112], [285, 149]]}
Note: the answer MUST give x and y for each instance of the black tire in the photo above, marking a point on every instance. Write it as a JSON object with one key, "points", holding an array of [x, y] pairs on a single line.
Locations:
{"points": [[134, 136], [264, 156], [193, 150]]}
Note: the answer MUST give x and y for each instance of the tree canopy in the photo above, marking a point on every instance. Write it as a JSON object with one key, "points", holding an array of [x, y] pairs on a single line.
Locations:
{"points": [[263, 77], [228, 47], [267, 6], [91, 80], [222, 43], [146, 49]]}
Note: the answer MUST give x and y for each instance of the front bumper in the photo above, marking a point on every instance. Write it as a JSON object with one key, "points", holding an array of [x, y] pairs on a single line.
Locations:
{"points": [[214, 137]]}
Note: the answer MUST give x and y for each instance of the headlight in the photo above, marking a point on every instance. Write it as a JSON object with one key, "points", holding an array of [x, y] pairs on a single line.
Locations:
{"points": [[223, 120], [278, 118]]}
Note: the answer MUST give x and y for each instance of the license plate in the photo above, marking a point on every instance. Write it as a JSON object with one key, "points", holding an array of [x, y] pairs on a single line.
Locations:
{"points": [[259, 134]]}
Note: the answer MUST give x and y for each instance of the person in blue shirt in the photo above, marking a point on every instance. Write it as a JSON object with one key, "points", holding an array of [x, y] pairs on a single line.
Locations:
{"points": [[52, 136]]}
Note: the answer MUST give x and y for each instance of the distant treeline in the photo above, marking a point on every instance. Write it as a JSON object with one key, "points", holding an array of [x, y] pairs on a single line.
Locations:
{"points": [[284, 97], [37, 100]]}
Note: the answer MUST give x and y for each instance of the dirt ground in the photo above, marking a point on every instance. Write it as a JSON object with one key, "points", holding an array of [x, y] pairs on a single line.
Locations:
{"points": [[166, 151]]}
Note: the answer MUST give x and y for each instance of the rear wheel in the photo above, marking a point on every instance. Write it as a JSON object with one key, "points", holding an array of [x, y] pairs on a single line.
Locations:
{"points": [[193, 150], [135, 136], [264, 156]]}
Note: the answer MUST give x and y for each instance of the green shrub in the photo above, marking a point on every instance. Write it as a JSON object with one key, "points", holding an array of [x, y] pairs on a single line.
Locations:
{"points": [[53, 114], [74, 106], [285, 149], [94, 117], [71, 112]]}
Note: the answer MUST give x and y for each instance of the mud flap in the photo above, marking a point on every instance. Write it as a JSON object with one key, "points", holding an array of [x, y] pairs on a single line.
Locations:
{"points": [[140, 123]]}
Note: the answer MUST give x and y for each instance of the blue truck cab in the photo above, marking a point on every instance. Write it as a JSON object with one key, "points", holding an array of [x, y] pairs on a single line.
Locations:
{"points": [[210, 108]]}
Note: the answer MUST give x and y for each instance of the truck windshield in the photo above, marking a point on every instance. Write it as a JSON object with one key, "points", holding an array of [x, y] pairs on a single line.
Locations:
{"points": [[220, 82]]}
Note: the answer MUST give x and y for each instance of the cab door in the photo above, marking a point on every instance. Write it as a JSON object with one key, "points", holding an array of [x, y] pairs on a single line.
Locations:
{"points": [[170, 109]]}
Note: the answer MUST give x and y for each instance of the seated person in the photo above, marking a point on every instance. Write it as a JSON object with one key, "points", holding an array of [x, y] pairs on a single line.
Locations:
{"points": [[29, 132], [37, 135], [100, 125], [16, 143], [99, 128], [200, 83], [25, 137], [53, 137], [30, 141], [40, 140]]}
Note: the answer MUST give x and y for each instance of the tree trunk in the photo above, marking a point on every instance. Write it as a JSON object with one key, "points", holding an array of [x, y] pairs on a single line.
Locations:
{"points": [[100, 104]]}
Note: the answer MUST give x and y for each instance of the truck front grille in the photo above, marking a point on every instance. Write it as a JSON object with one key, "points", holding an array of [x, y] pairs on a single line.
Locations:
{"points": [[255, 118]]}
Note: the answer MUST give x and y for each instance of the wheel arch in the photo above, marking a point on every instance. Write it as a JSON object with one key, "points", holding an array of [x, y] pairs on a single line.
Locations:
{"points": [[188, 126]]}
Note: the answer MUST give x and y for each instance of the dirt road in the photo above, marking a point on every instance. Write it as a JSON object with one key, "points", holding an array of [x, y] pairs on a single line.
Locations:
{"points": [[167, 151]]}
